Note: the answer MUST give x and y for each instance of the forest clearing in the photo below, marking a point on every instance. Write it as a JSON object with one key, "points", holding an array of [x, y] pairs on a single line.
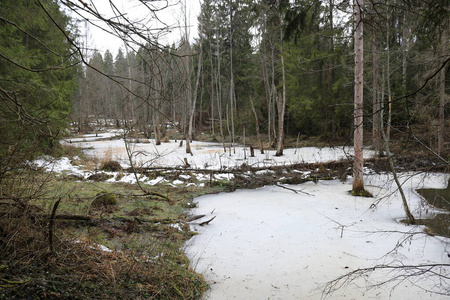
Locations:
{"points": [[267, 150]]}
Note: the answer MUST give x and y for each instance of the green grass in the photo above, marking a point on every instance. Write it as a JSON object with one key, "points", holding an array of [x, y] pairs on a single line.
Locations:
{"points": [[147, 262]]}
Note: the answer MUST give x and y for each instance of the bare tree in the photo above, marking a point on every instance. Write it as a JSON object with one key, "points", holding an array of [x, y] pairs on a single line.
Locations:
{"points": [[261, 147], [194, 97], [358, 163], [281, 101]]}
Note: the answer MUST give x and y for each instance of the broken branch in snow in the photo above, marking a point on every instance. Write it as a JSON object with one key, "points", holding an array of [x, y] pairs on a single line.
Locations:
{"points": [[340, 226], [193, 218], [293, 190], [207, 222]]}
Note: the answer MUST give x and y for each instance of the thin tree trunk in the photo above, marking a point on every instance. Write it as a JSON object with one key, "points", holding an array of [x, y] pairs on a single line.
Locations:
{"points": [[261, 147], [156, 128], [268, 96], [194, 100], [376, 100], [231, 82], [408, 213], [358, 164], [219, 96], [212, 90], [441, 129], [281, 103]]}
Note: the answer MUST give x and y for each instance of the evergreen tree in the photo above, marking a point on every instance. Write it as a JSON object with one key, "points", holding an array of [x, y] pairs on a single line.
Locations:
{"points": [[37, 79]]}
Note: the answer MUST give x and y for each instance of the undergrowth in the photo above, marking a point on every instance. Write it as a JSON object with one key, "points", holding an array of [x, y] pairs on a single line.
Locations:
{"points": [[68, 260]]}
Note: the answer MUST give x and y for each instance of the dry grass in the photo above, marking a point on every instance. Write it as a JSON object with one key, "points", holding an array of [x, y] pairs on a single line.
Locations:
{"points": [[147, 265]]}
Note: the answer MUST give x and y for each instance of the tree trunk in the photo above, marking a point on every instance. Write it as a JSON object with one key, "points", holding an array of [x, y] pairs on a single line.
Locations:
{"points": [[441, 129], [281, 103], [156, 128], [261, 147], [358, 164], [376, 98], [231, 82], [219, 94], [194, 100]]}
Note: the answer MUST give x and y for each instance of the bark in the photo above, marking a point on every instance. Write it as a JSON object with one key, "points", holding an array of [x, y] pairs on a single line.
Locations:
{"points": [[358, 164], [156, 128]]}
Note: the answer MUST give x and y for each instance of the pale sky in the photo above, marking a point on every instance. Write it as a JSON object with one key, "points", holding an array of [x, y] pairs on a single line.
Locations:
{"points": [[173, 16]]}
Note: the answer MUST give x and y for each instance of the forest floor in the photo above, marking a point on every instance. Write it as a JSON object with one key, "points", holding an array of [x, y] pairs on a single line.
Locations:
{"points": [[110, 237]]}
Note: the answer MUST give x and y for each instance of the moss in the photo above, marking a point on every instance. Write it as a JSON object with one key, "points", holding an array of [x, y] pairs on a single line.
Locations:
{"points": [[361, 193], [104, 199]]}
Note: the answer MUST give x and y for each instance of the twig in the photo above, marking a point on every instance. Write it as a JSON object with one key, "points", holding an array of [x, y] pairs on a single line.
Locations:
{"points": [[293, 190]]}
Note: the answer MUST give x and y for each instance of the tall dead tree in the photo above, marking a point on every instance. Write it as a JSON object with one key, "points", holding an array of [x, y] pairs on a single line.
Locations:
{"points": [[358, 163], [281, 102], [376, 96], [194, 99], [442, 96]]}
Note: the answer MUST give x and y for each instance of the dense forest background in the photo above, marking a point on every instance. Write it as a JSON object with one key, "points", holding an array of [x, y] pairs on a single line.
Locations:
{"points": [[259, 63], [261, 67]]}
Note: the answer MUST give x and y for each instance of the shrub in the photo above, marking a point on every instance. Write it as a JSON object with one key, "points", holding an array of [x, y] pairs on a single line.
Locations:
{"points": [[104, 199], [111, 166]]}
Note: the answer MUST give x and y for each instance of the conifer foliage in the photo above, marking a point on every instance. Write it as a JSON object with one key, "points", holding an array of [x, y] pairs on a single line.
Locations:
{"points": [[37, 77]]}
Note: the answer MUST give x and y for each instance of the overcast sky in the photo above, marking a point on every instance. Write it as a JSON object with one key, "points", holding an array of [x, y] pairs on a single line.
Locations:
{"points": [[173, 15]]}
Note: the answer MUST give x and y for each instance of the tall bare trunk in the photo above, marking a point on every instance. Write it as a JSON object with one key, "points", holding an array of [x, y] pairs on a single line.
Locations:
{"points": [[441, 129], [212, 89], [376, 97], [231, 82], [261, 147], [358, 164], [194, 98], [281, 105], [219, 94]]}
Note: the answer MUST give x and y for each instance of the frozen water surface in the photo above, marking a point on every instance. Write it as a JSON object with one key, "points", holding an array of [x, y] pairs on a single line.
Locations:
{"points": [[271, 243]]}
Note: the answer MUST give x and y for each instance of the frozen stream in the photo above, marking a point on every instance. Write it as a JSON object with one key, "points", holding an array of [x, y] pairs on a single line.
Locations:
{"points": [[272, 243]]}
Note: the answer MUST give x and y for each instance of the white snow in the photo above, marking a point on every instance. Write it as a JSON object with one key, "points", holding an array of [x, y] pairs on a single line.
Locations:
{"points": [[51, 164], [206, 155], [272, 243]]}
